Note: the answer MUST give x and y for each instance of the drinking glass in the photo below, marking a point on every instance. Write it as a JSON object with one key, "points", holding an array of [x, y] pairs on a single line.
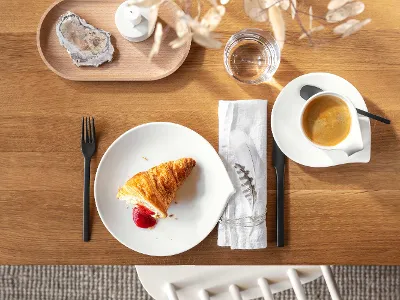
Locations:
{"points": [[252, 56]]}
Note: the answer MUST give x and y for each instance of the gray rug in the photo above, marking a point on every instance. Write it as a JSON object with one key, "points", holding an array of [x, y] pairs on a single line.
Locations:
{"points": [[121, 283]]}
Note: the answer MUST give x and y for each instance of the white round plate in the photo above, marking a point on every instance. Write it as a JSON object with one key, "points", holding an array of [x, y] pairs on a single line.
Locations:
{"points": [[200, 200], [285, 122]]}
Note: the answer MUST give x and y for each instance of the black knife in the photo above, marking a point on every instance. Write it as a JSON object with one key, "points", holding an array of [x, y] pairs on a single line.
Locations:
{"points": [[278, 159]]}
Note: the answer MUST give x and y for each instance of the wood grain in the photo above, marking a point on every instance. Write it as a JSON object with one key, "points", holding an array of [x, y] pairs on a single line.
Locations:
{"points": [[130, 60], [341, 215]]}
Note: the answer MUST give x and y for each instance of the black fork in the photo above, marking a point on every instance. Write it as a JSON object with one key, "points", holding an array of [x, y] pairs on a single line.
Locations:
{"points": [[88, 147]]}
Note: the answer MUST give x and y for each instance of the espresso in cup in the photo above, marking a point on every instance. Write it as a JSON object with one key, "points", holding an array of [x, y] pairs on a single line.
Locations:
{"points": [[326, 120]]}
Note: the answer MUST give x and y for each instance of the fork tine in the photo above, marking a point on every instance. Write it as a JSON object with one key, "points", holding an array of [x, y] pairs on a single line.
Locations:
{"points": [[93, 132], [87, 131], [90, 131], [83, 129]]}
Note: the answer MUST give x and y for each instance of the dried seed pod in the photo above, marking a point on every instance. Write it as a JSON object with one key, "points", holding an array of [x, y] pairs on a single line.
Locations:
{"points": [[340, 29], [253, 9], [284, 4], [181, 28], [348, 10], [356, 27], [335, 4], [157, 41], [213, 17], [180, 41]]}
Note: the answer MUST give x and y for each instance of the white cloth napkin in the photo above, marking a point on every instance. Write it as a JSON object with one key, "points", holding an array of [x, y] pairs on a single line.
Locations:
{"points": [[243, 149]]}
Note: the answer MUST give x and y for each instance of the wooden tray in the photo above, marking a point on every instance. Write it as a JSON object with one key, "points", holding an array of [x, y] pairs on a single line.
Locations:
{"points": [[130, 61]]}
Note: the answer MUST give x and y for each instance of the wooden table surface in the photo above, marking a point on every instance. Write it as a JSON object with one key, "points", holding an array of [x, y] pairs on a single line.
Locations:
{"points": [[341, 215]]}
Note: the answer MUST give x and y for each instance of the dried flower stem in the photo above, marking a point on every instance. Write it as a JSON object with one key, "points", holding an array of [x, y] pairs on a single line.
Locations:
{"points": [[314, 16], [268, 7], [301, 25], [198, 10]]}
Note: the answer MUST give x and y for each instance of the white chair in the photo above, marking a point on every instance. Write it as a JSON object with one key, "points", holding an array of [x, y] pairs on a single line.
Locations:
{"points": [[230, 282]]}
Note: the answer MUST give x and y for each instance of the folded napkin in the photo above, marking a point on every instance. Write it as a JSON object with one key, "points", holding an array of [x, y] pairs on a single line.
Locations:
{"points": [[243, 149]]}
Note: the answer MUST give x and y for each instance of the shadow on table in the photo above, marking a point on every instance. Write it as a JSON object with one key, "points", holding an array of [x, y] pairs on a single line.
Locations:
{"points": [[270, 90], [165, 85], [384, 162]]}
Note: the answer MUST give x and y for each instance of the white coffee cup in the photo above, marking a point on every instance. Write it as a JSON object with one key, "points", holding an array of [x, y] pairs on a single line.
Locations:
{"points": [[353, 142]]}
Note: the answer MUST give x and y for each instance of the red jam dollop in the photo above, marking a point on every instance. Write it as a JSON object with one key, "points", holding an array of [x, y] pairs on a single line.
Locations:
{"points": [[143, 217]]}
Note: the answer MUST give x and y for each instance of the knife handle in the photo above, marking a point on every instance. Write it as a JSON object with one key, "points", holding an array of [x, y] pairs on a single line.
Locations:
{"points": [[280, 191]]}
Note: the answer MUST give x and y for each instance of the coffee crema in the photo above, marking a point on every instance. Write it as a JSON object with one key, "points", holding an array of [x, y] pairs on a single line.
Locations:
{"points": [[326, 120]]}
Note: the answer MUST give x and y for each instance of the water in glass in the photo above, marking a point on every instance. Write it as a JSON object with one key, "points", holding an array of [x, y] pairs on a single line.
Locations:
{"points": [[252, 56]]}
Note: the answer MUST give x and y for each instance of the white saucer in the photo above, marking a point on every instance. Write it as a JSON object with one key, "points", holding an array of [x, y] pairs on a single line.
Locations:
{"points": [[285, 122], [200, 200]]}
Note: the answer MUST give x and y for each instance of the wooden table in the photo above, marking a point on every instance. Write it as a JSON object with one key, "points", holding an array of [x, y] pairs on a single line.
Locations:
{"points": [[342, 215]]}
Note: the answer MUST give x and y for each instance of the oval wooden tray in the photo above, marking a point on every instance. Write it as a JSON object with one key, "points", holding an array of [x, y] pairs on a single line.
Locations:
{"points": [[130, 62]]}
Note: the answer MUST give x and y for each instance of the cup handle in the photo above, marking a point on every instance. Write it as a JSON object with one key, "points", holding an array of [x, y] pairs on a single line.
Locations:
{"points": [[352, 150], [354, 146]]}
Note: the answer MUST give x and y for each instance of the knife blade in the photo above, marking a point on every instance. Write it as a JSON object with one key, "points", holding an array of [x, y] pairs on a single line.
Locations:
{"points": [[278, 160]]}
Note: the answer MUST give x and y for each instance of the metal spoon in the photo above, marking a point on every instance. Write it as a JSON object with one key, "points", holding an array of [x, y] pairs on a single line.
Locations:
{"points": [[308, 91]]}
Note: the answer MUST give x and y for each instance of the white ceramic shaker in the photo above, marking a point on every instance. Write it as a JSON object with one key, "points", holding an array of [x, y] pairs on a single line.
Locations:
{"points": [[132, 22]]}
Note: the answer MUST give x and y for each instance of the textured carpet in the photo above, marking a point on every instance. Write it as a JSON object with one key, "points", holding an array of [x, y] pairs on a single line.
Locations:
{"points": [[121, 283]]}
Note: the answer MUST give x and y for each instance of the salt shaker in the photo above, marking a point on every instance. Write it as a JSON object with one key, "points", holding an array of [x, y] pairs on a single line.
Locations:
{"points": [[132, 22]]}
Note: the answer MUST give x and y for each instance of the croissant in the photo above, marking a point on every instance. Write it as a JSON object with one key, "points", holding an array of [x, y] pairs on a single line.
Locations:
{"points": [[156, 188]]}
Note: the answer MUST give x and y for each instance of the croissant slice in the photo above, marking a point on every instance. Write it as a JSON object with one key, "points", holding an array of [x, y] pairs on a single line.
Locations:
{"points": [[156, 188]]}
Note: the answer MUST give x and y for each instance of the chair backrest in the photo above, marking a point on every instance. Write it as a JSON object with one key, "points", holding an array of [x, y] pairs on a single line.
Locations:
{"points": [[230, 282]]}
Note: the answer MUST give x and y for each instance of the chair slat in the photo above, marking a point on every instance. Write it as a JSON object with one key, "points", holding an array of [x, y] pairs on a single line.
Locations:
{"points": [[296, 283], [235, 292], [265, 289], [171, 292], [330, 282]]}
